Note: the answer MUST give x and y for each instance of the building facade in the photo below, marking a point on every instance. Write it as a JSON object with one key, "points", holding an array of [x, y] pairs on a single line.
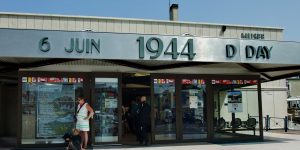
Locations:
{"points": [[203, 81]]}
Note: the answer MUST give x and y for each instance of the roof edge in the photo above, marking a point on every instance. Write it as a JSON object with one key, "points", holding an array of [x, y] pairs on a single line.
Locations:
{"points": [[135, 19]]}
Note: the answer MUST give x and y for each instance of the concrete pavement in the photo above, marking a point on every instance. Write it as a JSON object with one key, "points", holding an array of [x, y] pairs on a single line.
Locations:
{"points": [[273, 141]]}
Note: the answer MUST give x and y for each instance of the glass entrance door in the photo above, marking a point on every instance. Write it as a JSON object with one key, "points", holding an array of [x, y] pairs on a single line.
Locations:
{"points": [[106, 107], [193, 102], [164, 109], [179, 108]]}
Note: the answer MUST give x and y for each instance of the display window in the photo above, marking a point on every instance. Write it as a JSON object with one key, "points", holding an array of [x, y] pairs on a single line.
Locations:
{"points": [[48, 106], [236, 108], [183, 108]]}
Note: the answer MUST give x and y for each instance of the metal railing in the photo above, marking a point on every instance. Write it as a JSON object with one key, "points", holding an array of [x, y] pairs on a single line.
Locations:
{"points": [[276, 120]]}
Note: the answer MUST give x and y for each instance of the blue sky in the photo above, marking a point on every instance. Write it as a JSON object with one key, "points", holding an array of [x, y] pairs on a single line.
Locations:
{"points": [[274, 13]]}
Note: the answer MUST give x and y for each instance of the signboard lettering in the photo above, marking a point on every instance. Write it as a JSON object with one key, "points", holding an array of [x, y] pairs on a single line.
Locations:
{"points": [[254, 36], [76, 44], [261, 52], [155, 46], [81, 45], [230, 51]]}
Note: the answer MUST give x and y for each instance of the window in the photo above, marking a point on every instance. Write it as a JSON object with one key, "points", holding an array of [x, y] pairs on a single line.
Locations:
{"points": [[48, 106], [236, 108]]}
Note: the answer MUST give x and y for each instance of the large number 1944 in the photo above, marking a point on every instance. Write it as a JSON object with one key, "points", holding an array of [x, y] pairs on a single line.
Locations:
{"points": [[171, 49]]}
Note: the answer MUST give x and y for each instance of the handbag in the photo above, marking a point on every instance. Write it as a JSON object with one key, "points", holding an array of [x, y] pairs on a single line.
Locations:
{"points": [[75, 115]]}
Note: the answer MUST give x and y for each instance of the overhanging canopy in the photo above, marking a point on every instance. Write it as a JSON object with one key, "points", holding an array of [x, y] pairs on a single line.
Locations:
{"points": [[46, 50]]}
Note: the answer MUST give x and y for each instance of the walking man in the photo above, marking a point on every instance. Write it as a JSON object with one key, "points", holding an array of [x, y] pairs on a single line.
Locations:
{"points": [[143, 121]]}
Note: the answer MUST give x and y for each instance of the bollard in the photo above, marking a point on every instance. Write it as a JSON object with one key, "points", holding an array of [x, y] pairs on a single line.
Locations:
{"points": [[285, 124], [267, 122]]}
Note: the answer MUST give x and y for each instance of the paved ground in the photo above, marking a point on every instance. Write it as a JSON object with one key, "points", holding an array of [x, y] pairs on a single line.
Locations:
{"points": [[273, 141]]}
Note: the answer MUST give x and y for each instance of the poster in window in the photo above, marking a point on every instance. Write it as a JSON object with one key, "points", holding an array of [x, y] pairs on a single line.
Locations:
{"points": [[193, 100], [111, 103], [55, 109]]}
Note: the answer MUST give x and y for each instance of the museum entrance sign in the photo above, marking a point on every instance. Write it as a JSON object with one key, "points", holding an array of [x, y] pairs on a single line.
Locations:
{"points": [[95, 45]]}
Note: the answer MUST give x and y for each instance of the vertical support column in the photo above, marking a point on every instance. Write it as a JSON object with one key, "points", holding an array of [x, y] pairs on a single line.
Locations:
{"points": [[179, 124], [261, 133], [152, 133], [89, 85], [87, 92], [210, 110], [120, 104], [19, 110], [1, 111]]}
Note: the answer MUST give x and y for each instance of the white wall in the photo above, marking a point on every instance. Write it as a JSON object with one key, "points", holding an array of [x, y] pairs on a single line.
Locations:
{"points": [[123, 25], [274, 104], [274, 95]]}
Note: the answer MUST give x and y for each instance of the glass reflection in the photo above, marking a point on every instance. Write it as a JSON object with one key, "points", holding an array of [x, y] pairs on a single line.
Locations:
{"points": [[236, 108], [106, 110], [193, 99], [164, 109]]}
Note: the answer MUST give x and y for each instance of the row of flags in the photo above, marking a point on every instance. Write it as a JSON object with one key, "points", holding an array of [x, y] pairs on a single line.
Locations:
{"points": [[202, 82], [51, 80], [193, 81], [164, 81], [234, 82], [156, 81], [183, 81]]}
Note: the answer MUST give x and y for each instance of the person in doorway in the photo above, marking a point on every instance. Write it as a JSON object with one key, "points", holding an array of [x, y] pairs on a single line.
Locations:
{"points": [[83, 115], [125, 120], [143, 120], [133, 115]]}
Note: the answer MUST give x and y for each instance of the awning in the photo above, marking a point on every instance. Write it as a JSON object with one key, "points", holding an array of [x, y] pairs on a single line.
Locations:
{"points": [[112, 52]]}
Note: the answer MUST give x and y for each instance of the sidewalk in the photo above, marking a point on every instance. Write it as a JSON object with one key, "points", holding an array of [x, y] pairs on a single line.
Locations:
{"points": [[273, 141]]}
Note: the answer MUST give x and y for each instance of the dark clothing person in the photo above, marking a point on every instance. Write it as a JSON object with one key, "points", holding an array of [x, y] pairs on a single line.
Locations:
{"points": [[143, 122], [132, 120]]}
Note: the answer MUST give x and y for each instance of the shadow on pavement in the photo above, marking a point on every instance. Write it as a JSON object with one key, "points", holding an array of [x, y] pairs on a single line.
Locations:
{"points": [[267, 140]]}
